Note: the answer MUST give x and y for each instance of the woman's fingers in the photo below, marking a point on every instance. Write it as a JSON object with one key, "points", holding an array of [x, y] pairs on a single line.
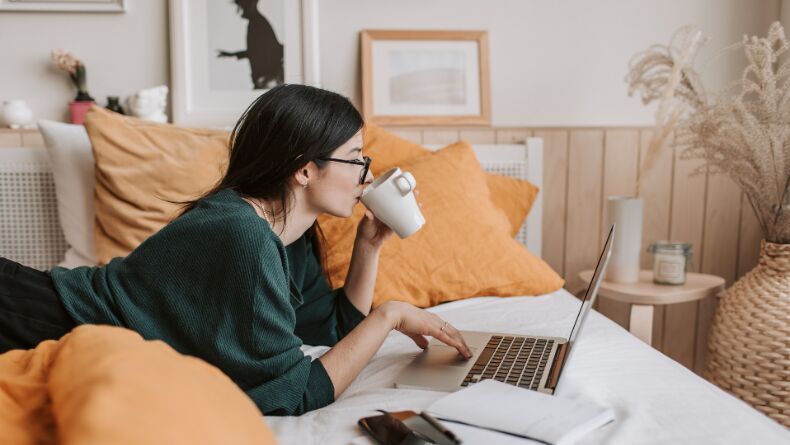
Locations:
{"points": [[451, 336], [420, 340]]}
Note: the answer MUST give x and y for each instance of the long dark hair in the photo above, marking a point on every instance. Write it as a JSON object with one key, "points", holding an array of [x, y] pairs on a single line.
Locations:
{"points": [[280, 132]]}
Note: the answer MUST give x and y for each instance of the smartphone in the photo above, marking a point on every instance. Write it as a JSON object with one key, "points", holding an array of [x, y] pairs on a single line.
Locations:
{"points": [[406, 428]]}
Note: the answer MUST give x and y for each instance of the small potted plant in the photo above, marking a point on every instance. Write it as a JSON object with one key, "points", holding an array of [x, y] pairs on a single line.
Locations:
{"points": [[76, 70]]}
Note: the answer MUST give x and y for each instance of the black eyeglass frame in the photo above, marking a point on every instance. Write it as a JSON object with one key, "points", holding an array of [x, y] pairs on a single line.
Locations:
{"points": [[365, 163]]}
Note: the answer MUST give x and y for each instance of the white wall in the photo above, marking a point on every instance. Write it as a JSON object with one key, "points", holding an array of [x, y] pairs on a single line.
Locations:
{"points": [[123, 53], [553, 62]]}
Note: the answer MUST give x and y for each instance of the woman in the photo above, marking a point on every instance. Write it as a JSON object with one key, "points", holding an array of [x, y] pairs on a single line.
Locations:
{"points": [[236, 279]]}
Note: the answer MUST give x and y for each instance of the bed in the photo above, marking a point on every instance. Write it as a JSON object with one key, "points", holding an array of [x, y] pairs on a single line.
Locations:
{"points": [[656, 400]]}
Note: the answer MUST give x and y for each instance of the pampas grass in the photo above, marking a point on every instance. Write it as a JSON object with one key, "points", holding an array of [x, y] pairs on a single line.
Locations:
{"points": [[743, 132]]}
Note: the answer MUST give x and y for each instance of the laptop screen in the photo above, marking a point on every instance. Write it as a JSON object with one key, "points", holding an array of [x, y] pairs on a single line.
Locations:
{"points": [[592, 289]]}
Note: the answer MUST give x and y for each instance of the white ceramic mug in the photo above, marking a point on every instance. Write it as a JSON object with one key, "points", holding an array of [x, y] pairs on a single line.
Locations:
{"points": [[391, 198]]}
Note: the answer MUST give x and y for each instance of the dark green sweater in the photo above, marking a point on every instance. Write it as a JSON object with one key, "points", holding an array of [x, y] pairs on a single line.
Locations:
{"points": [[217, 283]]}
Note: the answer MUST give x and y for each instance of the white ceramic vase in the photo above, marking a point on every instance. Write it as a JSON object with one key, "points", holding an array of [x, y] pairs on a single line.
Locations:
{"points": [[16, 113], [626, 212]]}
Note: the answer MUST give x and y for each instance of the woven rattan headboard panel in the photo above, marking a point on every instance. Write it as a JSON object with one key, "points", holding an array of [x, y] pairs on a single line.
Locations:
{"points": [[30, 232]]}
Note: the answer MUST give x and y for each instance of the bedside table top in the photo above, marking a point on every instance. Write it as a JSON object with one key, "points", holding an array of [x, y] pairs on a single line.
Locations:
{"points": [[645, 291]]}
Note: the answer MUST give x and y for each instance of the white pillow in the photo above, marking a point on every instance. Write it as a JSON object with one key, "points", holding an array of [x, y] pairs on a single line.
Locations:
{"points": [[71, 157]]}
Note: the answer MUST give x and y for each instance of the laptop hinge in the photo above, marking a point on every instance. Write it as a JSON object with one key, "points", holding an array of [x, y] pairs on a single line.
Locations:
{"points": [[557, 365]]}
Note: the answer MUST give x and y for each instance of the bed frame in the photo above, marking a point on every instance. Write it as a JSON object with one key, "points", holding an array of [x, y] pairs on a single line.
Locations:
{"points": [[30, 231]]}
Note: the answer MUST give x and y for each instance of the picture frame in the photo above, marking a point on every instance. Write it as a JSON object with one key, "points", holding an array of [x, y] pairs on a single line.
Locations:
{"points": [[423, 77], [63, 5], [206, 92]]}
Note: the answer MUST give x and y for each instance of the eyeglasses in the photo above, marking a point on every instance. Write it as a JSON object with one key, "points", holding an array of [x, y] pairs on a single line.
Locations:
{"points": [[365, 163]]}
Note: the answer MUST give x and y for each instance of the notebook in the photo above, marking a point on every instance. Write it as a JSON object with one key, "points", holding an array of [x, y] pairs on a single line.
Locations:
{"points": [[497, 408]]}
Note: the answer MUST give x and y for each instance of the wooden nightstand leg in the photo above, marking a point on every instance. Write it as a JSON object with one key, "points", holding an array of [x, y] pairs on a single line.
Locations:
{"points": [[641, 324]]}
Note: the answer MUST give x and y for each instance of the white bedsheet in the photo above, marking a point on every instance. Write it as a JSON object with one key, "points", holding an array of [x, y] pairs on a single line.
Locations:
{"points": [[656, 400]]}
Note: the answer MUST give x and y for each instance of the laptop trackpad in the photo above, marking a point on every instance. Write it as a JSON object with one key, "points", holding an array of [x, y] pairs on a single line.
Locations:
{"points": [[443, 356]]}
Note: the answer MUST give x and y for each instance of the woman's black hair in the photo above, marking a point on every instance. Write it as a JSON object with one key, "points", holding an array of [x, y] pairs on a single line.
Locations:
{"points": [[279, 133]]}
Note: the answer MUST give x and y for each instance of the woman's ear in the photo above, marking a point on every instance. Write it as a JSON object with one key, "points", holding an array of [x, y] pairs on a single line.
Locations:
{"points": [[306, 174]]}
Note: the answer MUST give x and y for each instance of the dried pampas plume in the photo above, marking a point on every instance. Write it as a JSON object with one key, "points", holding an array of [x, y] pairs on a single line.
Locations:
{"points": [[665, 73], [744, 132]]}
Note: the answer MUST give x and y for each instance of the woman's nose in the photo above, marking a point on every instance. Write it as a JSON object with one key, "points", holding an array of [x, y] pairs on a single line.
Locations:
{"points": [[368, 178]]}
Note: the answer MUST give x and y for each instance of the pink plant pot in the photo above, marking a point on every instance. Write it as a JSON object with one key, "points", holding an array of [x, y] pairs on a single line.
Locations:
{"points": [[78, 110]]}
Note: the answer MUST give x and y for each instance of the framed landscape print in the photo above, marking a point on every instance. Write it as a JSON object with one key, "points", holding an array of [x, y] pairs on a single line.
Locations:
{"points": [[425, 77], [226, 53]]}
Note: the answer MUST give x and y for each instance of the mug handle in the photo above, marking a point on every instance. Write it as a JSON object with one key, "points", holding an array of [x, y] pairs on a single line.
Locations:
{"points": [[405, 183]]}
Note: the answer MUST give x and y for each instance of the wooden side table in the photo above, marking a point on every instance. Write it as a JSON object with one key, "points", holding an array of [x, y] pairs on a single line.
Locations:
{"points": [[645, 294]]}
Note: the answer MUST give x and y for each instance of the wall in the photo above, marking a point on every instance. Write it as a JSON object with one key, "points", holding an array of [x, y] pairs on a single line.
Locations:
{"points": [[123, 53], [553, 63]]}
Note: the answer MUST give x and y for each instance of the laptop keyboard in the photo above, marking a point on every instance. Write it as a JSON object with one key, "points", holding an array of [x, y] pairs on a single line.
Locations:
{"points": [[518, 361]]}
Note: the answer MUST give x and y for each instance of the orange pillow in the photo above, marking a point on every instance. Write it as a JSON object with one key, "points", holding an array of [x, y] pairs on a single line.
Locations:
{"points": [[514, 196], [464, 250], [142, 165]]}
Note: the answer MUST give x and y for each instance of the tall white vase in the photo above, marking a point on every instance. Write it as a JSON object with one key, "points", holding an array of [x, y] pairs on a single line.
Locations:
{"points": [[626, 212]]}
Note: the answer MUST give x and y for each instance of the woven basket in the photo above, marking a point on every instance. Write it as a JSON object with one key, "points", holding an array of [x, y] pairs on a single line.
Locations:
{"points": [[749, 343]]}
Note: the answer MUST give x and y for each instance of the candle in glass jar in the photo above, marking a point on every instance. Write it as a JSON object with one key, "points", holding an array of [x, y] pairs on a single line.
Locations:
{"points": [[670, 261]]}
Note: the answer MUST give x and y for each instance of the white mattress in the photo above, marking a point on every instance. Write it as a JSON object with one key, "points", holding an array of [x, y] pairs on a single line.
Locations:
{"points": [[656, 400]]}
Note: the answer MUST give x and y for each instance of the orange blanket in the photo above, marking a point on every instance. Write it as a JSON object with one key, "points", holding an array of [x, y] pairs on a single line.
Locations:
{"points": [[101, 384]]}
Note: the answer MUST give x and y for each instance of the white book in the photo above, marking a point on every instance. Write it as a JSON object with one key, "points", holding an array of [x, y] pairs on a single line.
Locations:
{"points": [[495, 406]]}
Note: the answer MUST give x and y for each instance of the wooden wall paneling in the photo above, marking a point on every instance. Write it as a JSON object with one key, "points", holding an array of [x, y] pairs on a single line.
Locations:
{"points": [[479, 136], [443, 137], [657, 198], [10, 138], [620, 164], [555, 177], [719, 250], [32, 139], [408, 134], [582, 226], [687, 218], [720, 238], [512, 135]]}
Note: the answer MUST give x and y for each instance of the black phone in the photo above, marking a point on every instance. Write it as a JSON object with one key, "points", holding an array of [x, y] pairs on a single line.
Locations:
{"points": [[406, 428]]}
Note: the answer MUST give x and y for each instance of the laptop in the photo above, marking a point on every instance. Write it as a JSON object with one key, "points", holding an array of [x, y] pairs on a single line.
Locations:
{"points": [[527, 361]]}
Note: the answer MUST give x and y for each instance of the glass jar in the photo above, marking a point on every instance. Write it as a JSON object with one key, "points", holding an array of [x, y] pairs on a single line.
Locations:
{"points": [[670, 261]]}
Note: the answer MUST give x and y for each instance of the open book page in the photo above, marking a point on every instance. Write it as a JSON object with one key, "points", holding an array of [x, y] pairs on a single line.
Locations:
{"points": [[498, 406]]}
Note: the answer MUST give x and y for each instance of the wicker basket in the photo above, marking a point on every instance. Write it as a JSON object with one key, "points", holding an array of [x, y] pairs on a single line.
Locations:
{"points": [[749, 343]]}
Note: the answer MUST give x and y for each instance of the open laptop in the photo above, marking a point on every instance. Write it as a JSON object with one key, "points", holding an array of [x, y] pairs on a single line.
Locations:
{"points": [[526, 361]]}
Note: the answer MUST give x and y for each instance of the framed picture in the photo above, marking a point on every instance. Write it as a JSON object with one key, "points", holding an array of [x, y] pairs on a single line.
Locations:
{"points": [[63, 5], [226, 53], [425, 77]]}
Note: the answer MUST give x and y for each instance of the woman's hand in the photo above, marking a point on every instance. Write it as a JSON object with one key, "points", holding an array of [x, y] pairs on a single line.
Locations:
{"points": [[417, 323], [372, 232]]}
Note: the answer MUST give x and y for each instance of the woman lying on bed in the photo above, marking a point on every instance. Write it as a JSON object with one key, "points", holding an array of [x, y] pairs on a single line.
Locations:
{"points": [[236, 279]]}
